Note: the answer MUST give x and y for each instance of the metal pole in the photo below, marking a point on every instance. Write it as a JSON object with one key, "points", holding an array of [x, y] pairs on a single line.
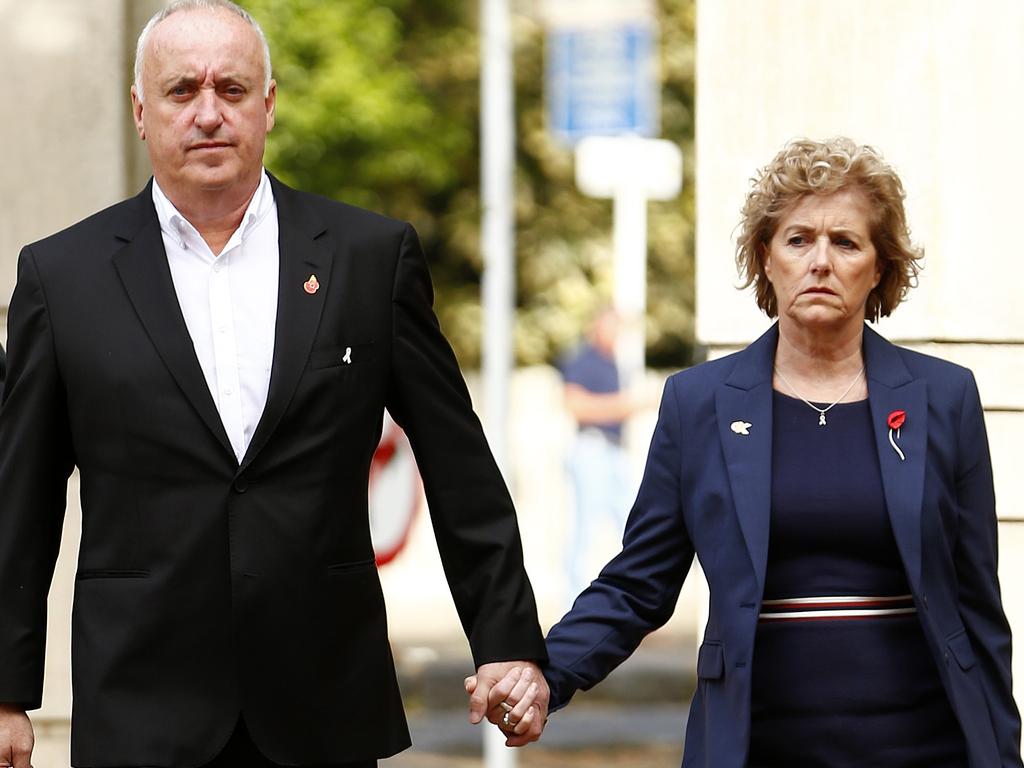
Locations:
{"points": [[497, 164], [629, 225]]}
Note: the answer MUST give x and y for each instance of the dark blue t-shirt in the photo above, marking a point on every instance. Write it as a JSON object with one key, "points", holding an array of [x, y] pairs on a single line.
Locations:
{"points": [[588, 368]]}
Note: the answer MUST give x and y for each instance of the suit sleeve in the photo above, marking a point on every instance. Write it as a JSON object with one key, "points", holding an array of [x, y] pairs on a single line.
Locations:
{"points": [[977, 565], [638, 590], [470, 508], [35, 462]]}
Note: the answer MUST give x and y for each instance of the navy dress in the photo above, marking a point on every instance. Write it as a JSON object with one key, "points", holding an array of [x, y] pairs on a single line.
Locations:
{"points": [[842, 674]]}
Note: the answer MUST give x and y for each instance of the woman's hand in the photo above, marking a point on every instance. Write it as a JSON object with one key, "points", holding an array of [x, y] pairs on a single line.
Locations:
{"points": [[514, 696]]}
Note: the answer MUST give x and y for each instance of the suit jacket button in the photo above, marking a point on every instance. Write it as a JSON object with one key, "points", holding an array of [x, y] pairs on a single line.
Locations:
{"points": [[241, 486]]}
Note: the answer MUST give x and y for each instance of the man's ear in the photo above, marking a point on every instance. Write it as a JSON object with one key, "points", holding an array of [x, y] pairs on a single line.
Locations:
{"points": [[137, 114], [271, 104]]}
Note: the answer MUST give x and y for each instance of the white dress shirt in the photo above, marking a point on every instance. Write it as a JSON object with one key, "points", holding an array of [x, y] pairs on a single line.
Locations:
{"points": [[230, 306]]}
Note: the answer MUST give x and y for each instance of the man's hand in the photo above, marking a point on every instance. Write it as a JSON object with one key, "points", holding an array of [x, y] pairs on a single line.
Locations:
{"points": [[514, 696], [16, 739]]}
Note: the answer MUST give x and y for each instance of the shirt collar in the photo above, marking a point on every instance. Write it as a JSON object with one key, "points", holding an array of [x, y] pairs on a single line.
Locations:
{"points": [[176, 226]]}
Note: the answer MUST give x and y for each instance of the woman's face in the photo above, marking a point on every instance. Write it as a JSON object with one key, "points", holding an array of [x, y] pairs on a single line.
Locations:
{"points": [[822, 263]]}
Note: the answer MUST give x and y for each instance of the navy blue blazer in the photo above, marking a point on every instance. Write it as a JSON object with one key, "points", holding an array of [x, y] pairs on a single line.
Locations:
{"points": [[706, 491]]}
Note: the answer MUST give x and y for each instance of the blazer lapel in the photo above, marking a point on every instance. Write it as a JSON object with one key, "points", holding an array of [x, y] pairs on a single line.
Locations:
{"points": [[304, 252], [146, 276], [746, 399], [892, 388]]}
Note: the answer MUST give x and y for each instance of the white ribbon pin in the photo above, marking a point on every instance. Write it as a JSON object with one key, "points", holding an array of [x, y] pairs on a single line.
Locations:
{"points": [[347, 359], [741, 427]]}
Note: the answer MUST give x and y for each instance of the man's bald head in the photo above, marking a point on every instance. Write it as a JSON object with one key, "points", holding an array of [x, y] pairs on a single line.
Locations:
{"points": [[193, 5]]}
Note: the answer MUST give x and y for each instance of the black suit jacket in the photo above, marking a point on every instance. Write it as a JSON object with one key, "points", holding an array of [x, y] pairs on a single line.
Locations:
{"points": [[206, 589]]}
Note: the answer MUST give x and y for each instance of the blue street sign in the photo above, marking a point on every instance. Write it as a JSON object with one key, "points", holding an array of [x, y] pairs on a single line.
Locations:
{"points": [[602, 82]]}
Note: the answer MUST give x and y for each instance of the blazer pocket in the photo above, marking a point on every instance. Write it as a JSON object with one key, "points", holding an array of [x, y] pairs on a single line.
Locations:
{"points": [[710, 661], [960, 646], [359, 565], [341, 355], [87, 574]]}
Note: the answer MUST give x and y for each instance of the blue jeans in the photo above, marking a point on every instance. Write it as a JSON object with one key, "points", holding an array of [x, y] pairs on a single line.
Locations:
{"points": [[599, 470]]}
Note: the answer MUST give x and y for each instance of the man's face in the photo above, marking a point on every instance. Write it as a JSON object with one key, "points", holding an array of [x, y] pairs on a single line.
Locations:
{"points": [[205, 117]]}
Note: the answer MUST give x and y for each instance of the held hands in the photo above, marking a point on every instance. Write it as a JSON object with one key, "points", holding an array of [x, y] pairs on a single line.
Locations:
{"points": [[513, 695], [16, 739]]}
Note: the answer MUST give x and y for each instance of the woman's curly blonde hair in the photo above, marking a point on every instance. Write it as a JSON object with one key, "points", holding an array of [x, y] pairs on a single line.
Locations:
{"points": [[806, 167]]}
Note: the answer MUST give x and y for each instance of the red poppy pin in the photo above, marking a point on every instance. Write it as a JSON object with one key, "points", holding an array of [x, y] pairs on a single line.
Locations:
{"points": [[895, 421]]}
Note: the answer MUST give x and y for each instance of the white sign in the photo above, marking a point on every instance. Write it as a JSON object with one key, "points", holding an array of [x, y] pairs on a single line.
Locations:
{"points": [[606, 164]]}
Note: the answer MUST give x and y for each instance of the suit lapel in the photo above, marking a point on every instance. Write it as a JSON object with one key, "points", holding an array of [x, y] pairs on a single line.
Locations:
{"points": [[746, 397], [304, 252], [146, 276], [891, 388]]}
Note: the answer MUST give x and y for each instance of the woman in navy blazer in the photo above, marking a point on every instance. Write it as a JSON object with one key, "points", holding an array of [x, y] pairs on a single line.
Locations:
{"points": [[838, 493]]}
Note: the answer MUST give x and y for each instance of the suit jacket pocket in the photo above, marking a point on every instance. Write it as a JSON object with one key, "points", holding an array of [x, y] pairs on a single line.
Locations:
{"points": [[359, 565], [960, 646], [341, 355], [710, 661], [85, 574]]}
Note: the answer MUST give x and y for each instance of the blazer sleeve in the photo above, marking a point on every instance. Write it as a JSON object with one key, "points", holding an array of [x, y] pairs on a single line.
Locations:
{"points": [[976, 561], [637, 591], [471, 510], [35, 463]]}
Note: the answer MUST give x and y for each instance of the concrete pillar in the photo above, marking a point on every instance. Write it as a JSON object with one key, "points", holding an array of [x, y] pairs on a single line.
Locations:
{"points": [[935, 86], [64, 127]]}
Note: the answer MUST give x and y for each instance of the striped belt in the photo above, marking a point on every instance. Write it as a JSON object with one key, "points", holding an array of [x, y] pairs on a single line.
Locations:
{"points": [[836, 608]]}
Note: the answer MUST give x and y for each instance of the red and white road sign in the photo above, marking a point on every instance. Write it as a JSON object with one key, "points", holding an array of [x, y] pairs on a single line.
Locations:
{"points": [[395, 492]]}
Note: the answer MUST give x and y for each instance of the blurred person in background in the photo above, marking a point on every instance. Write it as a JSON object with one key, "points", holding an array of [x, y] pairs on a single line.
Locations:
{"points": [[597, 463], [838, 492], [215, 356]]}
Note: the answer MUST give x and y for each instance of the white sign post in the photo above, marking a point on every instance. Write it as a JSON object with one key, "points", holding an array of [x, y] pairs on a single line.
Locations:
{"points": [[630, 170], [497, 160]]}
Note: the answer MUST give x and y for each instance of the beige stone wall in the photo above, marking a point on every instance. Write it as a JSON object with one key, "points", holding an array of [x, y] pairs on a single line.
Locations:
{"points": [[64, 118], [936, 87]]}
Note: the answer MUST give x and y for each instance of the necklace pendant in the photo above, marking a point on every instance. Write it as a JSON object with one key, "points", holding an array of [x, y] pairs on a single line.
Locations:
{"points": [[821, 419]]}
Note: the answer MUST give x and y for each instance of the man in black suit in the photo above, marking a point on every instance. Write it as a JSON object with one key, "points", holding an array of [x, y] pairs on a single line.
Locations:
{"points": [[215, 356]]}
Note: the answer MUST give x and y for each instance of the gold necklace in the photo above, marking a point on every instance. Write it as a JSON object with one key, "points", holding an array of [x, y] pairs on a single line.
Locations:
{"points": [[821, 411]]}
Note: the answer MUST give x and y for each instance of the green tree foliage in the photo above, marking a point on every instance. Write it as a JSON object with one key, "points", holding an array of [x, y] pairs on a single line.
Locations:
{"points": [[378, 106]]}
